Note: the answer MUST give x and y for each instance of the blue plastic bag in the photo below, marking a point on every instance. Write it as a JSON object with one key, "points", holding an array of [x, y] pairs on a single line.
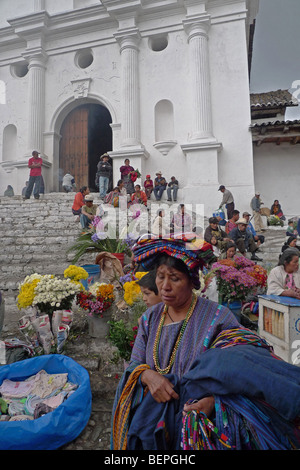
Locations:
{"points": [[219, 213], [57, 428]]}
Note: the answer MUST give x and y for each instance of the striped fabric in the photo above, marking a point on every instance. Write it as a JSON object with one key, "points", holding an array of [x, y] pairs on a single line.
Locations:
{"points": [[121, 416], [193, 251]]}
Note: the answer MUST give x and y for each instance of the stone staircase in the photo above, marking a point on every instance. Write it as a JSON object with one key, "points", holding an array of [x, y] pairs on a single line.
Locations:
{"points": [[35, 236]]}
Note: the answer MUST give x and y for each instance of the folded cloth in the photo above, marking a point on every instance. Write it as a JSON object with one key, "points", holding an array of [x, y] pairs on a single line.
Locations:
{"points": [[55, 401], [46, 383], [21, 418], [31, 403], [15, 389], [16, 407], [41, 410]]}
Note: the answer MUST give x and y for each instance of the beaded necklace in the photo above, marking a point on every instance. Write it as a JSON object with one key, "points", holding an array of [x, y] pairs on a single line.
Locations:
{"points": [[166, 370]]}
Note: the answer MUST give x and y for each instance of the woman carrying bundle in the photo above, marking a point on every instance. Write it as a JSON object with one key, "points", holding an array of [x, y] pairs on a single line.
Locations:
{"points": [[197, 379]]}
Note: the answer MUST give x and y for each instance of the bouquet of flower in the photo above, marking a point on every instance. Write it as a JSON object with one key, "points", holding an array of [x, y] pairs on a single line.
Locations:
{"points": [[275, 220], [75, 273], [134, 175], [97, 300], [47, 293], [96, 239], [52, 293], [237, 278], [26, 291], [132, 291], [258, 273]]}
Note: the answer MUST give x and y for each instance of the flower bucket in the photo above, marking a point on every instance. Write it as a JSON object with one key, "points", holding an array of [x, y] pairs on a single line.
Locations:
{"points": [[98, 327], [235, 307], [93, 271], [120, 257]]}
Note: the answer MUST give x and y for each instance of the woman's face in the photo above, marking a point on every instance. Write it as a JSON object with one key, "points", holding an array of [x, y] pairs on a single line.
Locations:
{"points": [[293, 265], [127, 162], [293, 243], [174, 287], [231, 252]]}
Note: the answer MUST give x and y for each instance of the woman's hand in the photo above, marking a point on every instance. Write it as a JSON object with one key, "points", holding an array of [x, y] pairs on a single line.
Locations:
{"points": [[160, 388], [291, 293], [206, 405]]}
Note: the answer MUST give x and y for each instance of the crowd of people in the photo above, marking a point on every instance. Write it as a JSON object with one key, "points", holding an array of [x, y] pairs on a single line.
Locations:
{"points": [[197, 379], [128, 176]]}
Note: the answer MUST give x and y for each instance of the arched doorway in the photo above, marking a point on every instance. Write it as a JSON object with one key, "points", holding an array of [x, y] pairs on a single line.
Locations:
{"points": [[85, 135]]}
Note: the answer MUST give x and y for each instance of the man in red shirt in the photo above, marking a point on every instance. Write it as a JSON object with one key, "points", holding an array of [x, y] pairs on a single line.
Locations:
{"points": [[35, 165], [232, 223], [79, 200]]}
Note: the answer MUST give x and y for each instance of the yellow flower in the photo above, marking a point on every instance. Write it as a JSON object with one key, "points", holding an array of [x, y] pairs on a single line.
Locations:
{"points": [[27, 294], [132, 292], [139, 275], [75, 273], [106, 291]]}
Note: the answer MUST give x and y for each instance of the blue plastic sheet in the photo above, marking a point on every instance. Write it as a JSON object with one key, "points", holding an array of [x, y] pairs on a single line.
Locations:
{"points": [[65, 423]]}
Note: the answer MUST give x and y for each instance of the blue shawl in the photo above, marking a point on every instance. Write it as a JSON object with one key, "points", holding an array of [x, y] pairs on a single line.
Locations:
{"points": [[257, 401]]}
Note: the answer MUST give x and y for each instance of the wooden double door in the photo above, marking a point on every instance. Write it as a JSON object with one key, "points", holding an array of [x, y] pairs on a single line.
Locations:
{"points": [[86, 135]]}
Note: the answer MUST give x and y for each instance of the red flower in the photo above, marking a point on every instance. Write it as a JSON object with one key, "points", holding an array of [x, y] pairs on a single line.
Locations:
{"points": [[133, 176]]}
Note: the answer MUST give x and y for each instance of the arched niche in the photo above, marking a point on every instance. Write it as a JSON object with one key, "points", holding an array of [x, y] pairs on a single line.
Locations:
{"points": [[10, 136], [164, 126]]}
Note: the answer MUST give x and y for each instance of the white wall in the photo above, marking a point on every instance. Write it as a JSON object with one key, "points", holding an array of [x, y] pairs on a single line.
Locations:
{"points": [[277, 170], [13, 8], [164, 75], [231, 109]]}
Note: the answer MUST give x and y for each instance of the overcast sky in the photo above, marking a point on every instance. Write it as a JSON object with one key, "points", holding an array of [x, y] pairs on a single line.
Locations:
{"points": [[276, 49]]}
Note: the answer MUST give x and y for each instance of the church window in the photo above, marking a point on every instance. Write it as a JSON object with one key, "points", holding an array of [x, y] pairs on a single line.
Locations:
{"points": [[158, 43], [19, 70], [84, 58]]}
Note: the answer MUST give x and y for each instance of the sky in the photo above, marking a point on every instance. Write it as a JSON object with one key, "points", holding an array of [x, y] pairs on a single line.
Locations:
{"points": [[276, 50]]}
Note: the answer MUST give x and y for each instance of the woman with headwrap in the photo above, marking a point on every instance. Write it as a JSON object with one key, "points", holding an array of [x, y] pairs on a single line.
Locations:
{"points": [[291, 242], [284, 279], [126, 170], [193, 368]]}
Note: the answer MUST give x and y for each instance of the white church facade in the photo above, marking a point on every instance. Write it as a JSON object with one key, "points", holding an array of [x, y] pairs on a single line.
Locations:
{"points": [[164, 83]]}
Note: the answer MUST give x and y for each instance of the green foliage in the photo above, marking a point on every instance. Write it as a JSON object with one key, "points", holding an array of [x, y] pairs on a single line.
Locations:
{"points": [[88, 242], [122, 335]]}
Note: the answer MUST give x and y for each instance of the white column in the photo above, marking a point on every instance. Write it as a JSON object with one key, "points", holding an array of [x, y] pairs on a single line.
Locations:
{"points": [[197, 29], [130, 124], [39, 5], [202, 149], [36, 100]]}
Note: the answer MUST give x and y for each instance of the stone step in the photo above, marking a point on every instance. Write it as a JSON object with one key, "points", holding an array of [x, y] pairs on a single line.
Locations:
{"points": [[35, 236]]}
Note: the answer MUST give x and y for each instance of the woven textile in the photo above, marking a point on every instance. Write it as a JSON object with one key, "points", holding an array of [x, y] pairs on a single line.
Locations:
{"points": [[201, 330], [121, 416], [193, 251], [257, 399]]}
